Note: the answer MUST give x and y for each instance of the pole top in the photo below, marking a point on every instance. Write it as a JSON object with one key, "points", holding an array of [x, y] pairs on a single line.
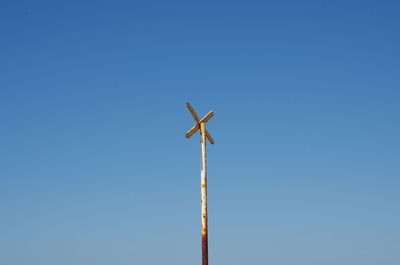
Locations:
{"points": [[199, 123]]}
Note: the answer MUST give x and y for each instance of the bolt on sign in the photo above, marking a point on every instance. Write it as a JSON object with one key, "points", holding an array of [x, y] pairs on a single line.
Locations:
{"points": [[201, 125]]}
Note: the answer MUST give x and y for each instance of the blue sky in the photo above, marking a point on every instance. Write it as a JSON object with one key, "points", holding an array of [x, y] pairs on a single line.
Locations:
{"points": [[95, 168]]}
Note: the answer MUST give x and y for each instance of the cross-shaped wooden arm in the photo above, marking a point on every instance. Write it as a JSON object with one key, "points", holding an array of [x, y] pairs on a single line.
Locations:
{"points": [[198, 122]]}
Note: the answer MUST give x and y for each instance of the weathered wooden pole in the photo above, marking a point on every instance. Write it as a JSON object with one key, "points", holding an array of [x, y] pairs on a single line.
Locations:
{"points": [[204, 214], [201, 124]]}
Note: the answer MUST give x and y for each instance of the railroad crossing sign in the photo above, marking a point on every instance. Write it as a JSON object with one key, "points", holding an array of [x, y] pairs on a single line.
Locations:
{"points": [[201, 124]]}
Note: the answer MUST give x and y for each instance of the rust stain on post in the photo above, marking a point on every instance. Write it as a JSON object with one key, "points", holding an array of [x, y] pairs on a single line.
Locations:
{"points": [[204, 134]]}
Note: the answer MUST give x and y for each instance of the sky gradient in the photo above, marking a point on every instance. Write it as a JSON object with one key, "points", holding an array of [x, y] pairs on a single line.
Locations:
{"points": [[95, 168]]}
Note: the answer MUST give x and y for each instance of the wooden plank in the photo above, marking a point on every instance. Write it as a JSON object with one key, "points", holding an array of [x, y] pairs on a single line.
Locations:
{"points": [[192, 131], [209, 137], [193, 112], [207, 117]]}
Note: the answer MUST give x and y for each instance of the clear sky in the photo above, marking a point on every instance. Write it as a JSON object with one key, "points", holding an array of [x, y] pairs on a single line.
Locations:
{"points": [[95, 168]]}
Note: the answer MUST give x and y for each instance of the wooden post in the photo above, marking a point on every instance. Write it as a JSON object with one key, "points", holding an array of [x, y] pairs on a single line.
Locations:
{"points": [[204, 134], [204, 215]]}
